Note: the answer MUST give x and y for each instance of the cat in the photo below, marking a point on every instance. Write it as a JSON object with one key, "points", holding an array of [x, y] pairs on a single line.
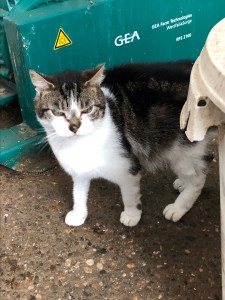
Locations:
{"points": [[112, 123]]}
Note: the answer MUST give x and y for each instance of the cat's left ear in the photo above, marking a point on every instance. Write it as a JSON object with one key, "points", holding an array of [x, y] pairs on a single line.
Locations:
{"points": [[40, 83], [97, 77]]}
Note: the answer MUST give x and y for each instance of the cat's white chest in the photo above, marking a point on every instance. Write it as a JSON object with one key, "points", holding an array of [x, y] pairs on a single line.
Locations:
{"points": [[81, 156], [91, 155]]}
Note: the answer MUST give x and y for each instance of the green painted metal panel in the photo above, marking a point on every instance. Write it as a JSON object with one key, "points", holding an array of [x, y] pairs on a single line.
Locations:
{"points": [[21, 150], [110, 31], [15, 142]]}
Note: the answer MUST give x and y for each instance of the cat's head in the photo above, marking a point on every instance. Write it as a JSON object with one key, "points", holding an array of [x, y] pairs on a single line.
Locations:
{"points": [[69, 103]]}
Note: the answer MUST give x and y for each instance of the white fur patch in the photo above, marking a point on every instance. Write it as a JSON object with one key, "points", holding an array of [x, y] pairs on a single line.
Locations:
{"points": [[60, 125], [74, 218], [107, 93], [74, 110]]}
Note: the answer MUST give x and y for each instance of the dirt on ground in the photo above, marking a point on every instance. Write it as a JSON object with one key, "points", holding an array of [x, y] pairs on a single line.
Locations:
{"points": [[43, 258]]}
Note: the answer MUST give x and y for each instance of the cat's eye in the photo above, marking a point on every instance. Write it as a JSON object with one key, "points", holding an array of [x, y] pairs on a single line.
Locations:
{"points": [[44, 110], [59, 113], [87, 110]]}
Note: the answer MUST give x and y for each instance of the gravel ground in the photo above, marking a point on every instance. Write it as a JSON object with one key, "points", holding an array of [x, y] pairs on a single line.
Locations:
{"points": [[42, 258]]}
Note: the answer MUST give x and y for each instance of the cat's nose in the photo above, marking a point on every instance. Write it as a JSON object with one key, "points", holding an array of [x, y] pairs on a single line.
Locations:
{"points": [[73, 128], [74, 125]]}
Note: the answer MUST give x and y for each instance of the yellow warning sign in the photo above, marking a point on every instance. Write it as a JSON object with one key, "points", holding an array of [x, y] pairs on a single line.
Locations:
{"points": [[62, 40]]}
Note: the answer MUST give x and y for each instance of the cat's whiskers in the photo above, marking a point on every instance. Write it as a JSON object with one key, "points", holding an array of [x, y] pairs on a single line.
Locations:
{"points": [[52, 136], [43, 143], [39, 130]]}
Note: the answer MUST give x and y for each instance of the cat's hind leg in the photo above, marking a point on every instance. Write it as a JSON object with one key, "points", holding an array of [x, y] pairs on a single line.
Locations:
{"points": [[190, 167]]}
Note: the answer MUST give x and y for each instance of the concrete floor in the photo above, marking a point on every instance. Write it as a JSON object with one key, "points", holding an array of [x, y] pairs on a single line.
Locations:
{"points": [[42, 258]]}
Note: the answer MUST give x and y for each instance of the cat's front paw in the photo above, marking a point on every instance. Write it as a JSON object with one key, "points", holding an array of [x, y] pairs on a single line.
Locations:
{"points": [[129, 220], [173, 212], [75, 219]]}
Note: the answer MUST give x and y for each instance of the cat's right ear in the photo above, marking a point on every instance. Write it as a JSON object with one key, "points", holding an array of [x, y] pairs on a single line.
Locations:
{"points": [[97, 75], [39, 82]]}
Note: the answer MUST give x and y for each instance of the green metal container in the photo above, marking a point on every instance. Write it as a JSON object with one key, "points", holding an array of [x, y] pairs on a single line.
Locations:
{"points": [[109, 31]]}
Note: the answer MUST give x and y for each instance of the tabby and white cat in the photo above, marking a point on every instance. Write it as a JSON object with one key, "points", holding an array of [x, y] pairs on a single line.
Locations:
{"points": [[111, 123]]}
